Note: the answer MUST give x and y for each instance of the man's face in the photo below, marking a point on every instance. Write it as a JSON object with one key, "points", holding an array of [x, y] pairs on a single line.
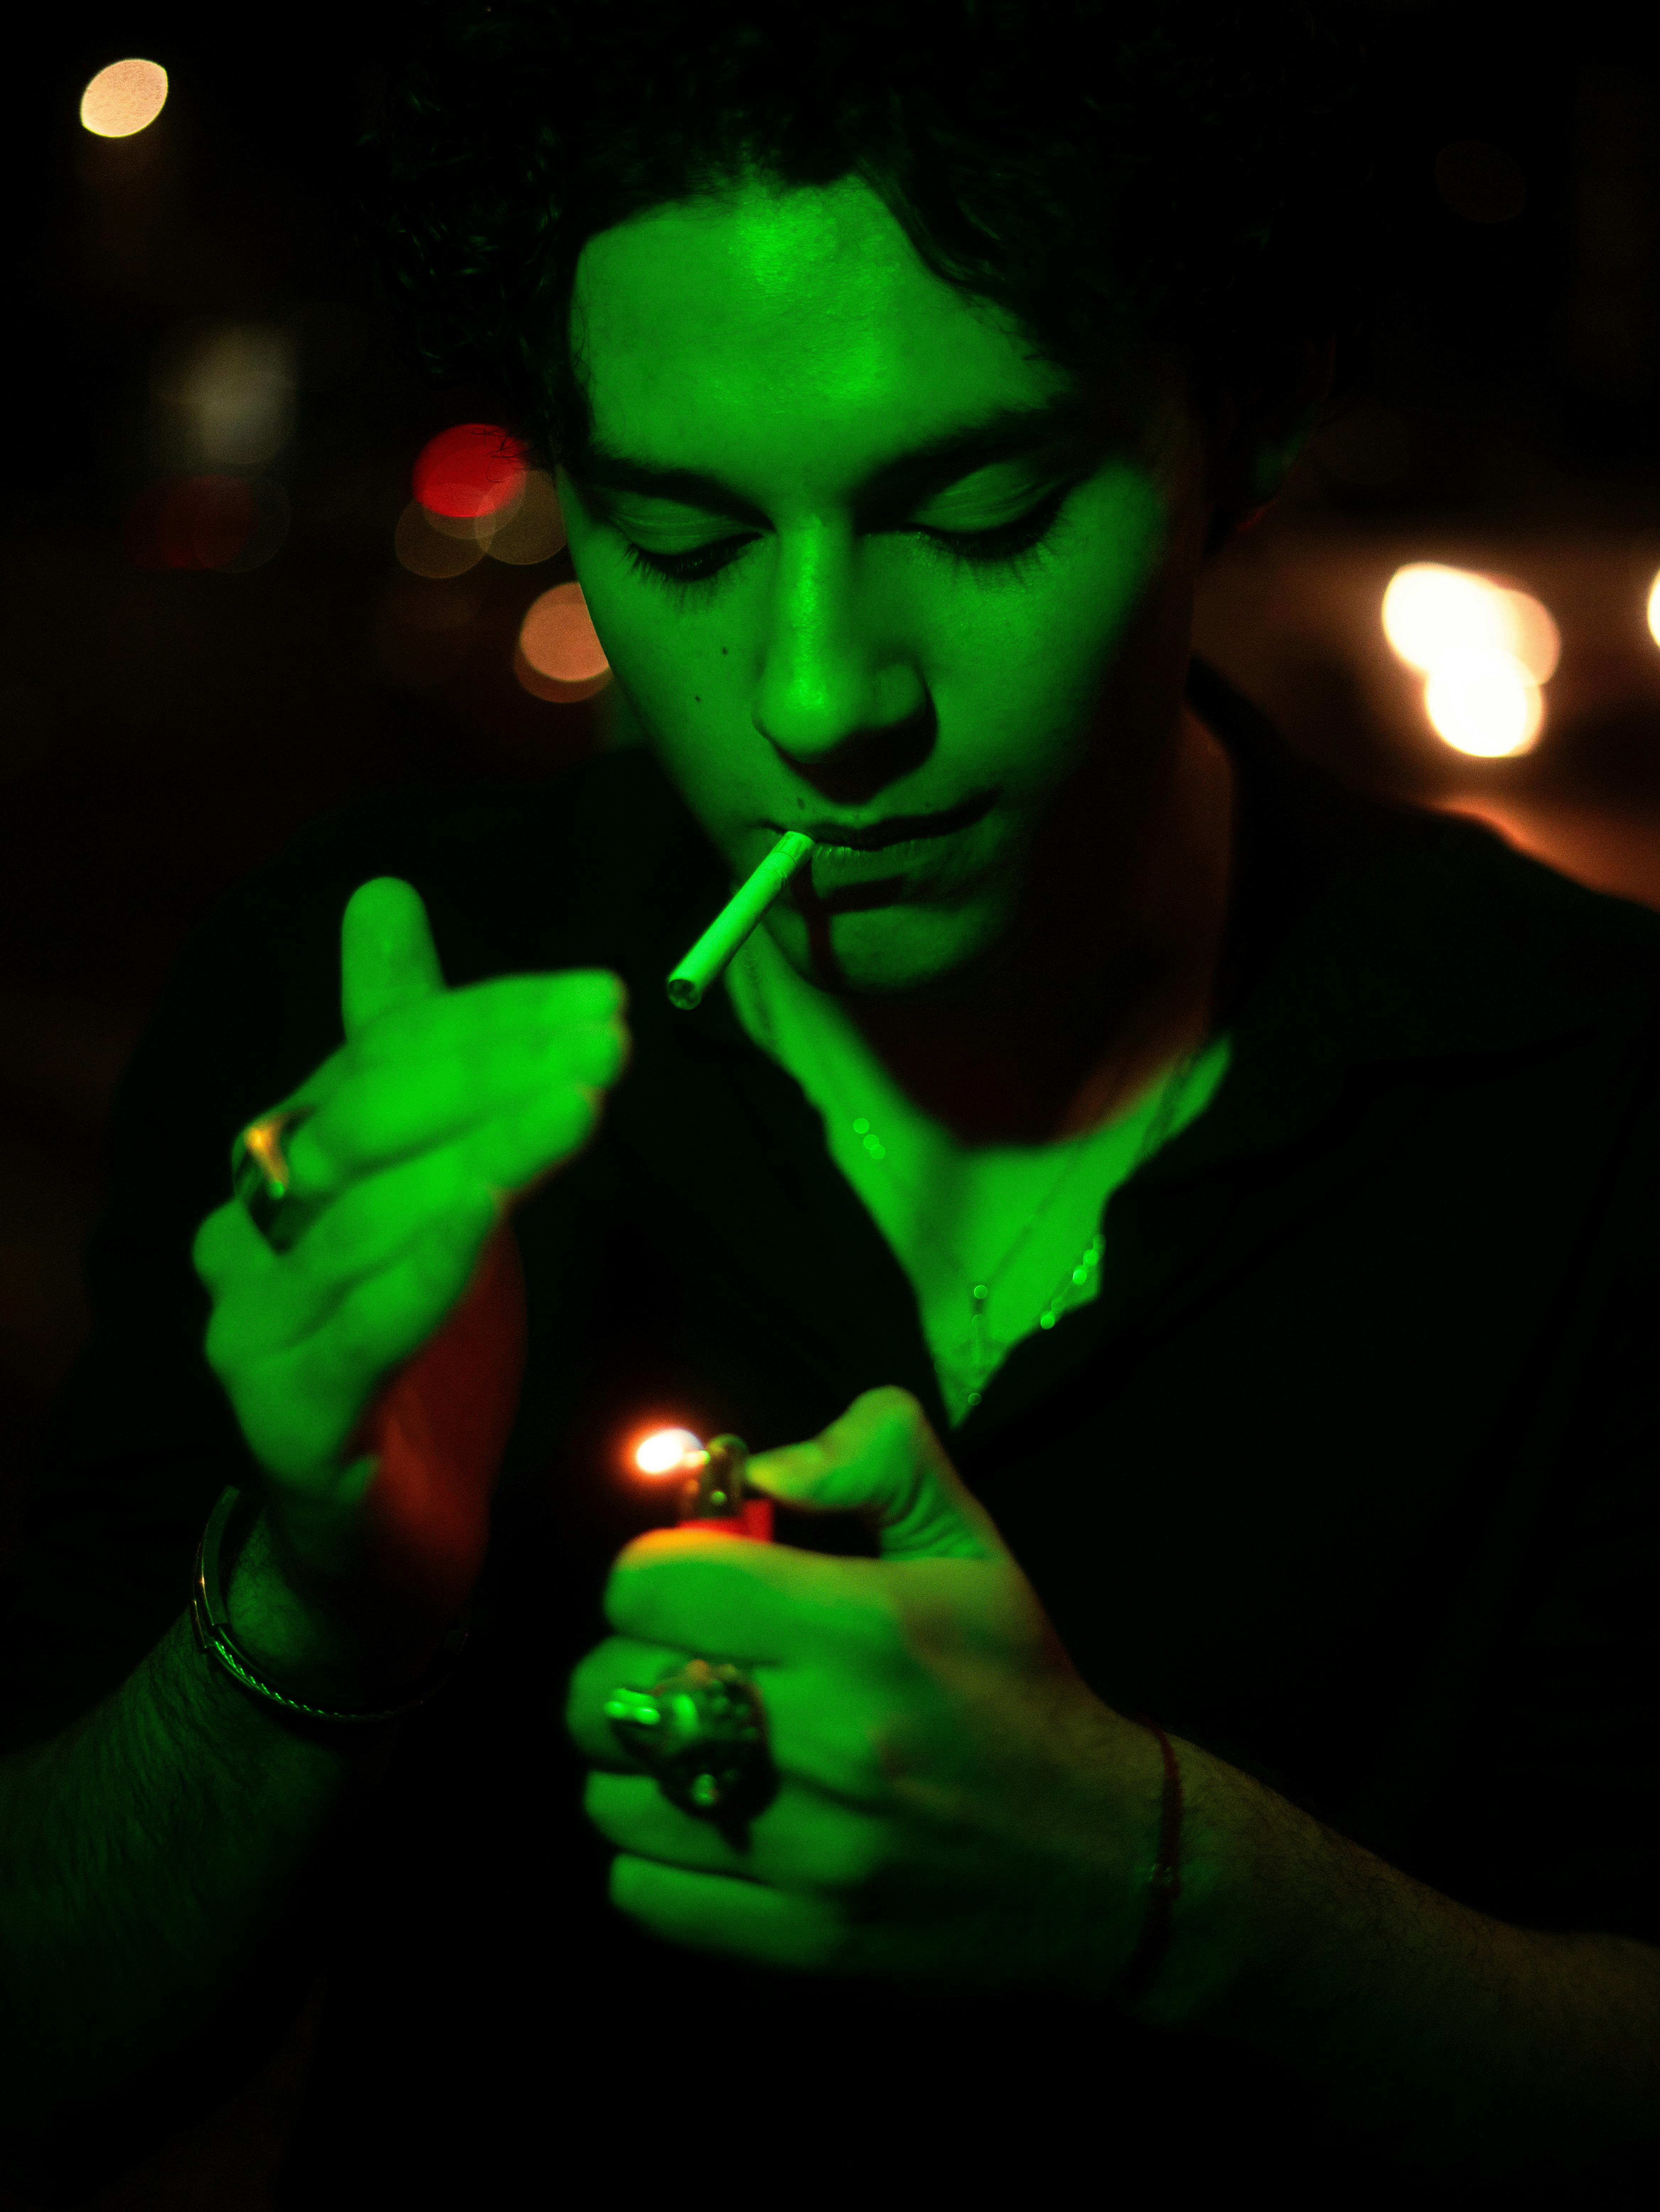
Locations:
{"points": [[869, 566]]}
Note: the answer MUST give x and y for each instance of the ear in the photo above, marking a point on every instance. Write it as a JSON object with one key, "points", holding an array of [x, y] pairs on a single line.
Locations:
{"points": [[1256, 431]]}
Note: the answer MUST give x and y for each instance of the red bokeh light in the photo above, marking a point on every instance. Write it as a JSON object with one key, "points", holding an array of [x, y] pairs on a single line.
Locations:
{"points": [[206, 522], [471, 471]]}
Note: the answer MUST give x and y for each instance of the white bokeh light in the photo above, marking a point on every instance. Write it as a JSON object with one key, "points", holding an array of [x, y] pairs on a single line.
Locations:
{"points": [[1484, 649], [1484, 702]]}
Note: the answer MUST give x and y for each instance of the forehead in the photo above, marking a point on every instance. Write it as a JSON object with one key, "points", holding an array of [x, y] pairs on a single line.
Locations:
{"points": [[794, 330]]}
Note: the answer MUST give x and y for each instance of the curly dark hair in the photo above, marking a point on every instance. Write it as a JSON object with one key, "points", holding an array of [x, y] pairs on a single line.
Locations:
{"points": [[1180, 171]]}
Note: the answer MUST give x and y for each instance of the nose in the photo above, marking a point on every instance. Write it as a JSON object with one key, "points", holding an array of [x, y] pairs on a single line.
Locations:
{"points": [[838, 695]]}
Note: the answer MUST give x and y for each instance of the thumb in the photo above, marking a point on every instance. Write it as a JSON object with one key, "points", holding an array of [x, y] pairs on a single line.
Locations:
{"points": [[883, 1461], [387, 958]]}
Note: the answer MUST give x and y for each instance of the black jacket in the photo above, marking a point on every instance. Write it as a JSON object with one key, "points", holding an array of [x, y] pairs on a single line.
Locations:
{"points": [[1349, 1474]]}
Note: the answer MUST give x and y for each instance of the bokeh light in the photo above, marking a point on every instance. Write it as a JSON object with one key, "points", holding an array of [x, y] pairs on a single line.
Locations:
{"points": [[1485, 703], [473, 473], [1654, 609], [123, 99], [534, 529], [1484, 649], [666, 1451], [425, 551], [225, 394], [559, 657], [225, 522]]}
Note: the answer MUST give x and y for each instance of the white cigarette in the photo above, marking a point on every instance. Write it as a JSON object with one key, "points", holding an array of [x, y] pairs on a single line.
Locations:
{"points": [[708, 958]]}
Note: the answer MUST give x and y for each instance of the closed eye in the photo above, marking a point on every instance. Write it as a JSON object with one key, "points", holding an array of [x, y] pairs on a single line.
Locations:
{"points": [[701, 565], [1009, 541], [1006, 541]]}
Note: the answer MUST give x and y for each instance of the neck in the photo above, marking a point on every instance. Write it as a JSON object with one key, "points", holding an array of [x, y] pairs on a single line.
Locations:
{"points": [[1101, 989]]}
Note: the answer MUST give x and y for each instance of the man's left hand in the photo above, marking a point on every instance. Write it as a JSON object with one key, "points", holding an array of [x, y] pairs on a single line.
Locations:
{"points": [[953, 1803]]}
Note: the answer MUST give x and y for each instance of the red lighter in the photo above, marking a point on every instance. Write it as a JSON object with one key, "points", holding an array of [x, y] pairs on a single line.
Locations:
{"points": [[710, 1480]]}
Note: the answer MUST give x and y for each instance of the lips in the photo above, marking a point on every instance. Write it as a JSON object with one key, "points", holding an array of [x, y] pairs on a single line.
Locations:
{"points": [[902, 857], [893, 829]]}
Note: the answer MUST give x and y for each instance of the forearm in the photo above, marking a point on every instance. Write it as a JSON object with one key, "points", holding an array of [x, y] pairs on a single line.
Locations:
{"points": [[1469, 2038], [143, 1854]]}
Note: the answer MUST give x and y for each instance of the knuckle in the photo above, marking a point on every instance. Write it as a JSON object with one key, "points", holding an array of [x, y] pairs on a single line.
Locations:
{"points": [[897, 1410], [220, 1346]]}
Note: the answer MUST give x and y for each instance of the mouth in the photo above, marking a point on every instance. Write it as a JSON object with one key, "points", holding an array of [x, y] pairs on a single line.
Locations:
{"points": [[832, 837]]}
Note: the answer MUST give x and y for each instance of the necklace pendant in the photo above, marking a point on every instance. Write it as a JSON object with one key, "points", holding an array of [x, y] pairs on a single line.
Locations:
{"points": [[977, 1332]]}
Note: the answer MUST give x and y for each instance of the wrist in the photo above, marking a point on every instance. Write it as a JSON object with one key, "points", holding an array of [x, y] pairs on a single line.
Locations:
{"points": [[1214, 1941], [339, 1646]]}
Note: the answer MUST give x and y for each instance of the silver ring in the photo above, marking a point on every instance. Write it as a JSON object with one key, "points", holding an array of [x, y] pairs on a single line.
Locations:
{"points": [[701, 1734]]}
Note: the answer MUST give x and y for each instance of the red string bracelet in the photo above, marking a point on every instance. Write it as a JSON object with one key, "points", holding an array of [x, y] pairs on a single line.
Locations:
{"points": [[1165, 1885]]}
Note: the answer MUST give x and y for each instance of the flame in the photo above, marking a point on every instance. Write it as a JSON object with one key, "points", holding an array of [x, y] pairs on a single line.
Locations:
{"points": [[667, 1451]]}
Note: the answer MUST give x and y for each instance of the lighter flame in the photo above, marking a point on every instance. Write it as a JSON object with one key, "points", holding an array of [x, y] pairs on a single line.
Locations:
{"points": [[666, 1451]]}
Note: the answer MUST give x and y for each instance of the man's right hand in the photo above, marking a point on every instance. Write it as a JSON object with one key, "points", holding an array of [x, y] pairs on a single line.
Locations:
{"points": [[440, 1110]]}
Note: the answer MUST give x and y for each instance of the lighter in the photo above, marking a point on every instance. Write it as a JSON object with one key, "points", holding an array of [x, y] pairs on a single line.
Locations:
{"points": [[710, 1479]]}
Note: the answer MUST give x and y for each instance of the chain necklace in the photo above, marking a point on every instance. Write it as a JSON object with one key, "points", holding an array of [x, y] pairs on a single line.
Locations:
{"points": [[1077, 1284], [984, 1353]]}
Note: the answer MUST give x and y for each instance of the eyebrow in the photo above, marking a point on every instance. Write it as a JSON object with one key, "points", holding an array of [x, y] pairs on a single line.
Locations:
{"points": [[1000, 435]]}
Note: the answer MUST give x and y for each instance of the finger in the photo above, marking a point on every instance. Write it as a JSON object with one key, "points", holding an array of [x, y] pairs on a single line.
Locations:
{"points": [[882, 1461], [229, 1251], [298, 1404], [800, 1842], [387, 957], [630, 1811], [382, 1113], [754, 1604], [621, 1662], [461, 1021], [743, 1919], [370, 1228]]}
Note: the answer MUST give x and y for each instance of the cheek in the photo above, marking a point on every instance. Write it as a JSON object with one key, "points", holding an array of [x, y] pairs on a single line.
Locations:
{"points": [[675, 663], [1027, 668]]}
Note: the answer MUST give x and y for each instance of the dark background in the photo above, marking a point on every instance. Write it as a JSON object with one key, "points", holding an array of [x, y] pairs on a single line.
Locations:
{"points": [[164, 732]]}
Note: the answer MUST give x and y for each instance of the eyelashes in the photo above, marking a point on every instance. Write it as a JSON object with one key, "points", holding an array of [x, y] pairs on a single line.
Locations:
{"points": [[1006, 547], [700, 566], [1009, 543]]}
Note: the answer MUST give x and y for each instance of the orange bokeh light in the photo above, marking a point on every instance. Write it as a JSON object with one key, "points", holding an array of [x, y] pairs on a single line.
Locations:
{"points": [[470, 473], [124, 99], [558, 656]]}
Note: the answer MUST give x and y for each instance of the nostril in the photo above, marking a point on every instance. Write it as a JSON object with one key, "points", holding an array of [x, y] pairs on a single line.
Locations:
{"points": [[858, 766]]}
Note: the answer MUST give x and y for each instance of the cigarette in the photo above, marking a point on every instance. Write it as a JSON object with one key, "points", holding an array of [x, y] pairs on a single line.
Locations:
{"points": [[706, 960]]}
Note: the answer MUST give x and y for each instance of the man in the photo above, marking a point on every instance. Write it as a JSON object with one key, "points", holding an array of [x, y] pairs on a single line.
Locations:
{"points": [[1179, 1235]]}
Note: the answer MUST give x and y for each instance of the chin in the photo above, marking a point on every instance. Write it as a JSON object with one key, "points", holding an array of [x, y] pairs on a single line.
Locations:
{"points": [[893, 951]]}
